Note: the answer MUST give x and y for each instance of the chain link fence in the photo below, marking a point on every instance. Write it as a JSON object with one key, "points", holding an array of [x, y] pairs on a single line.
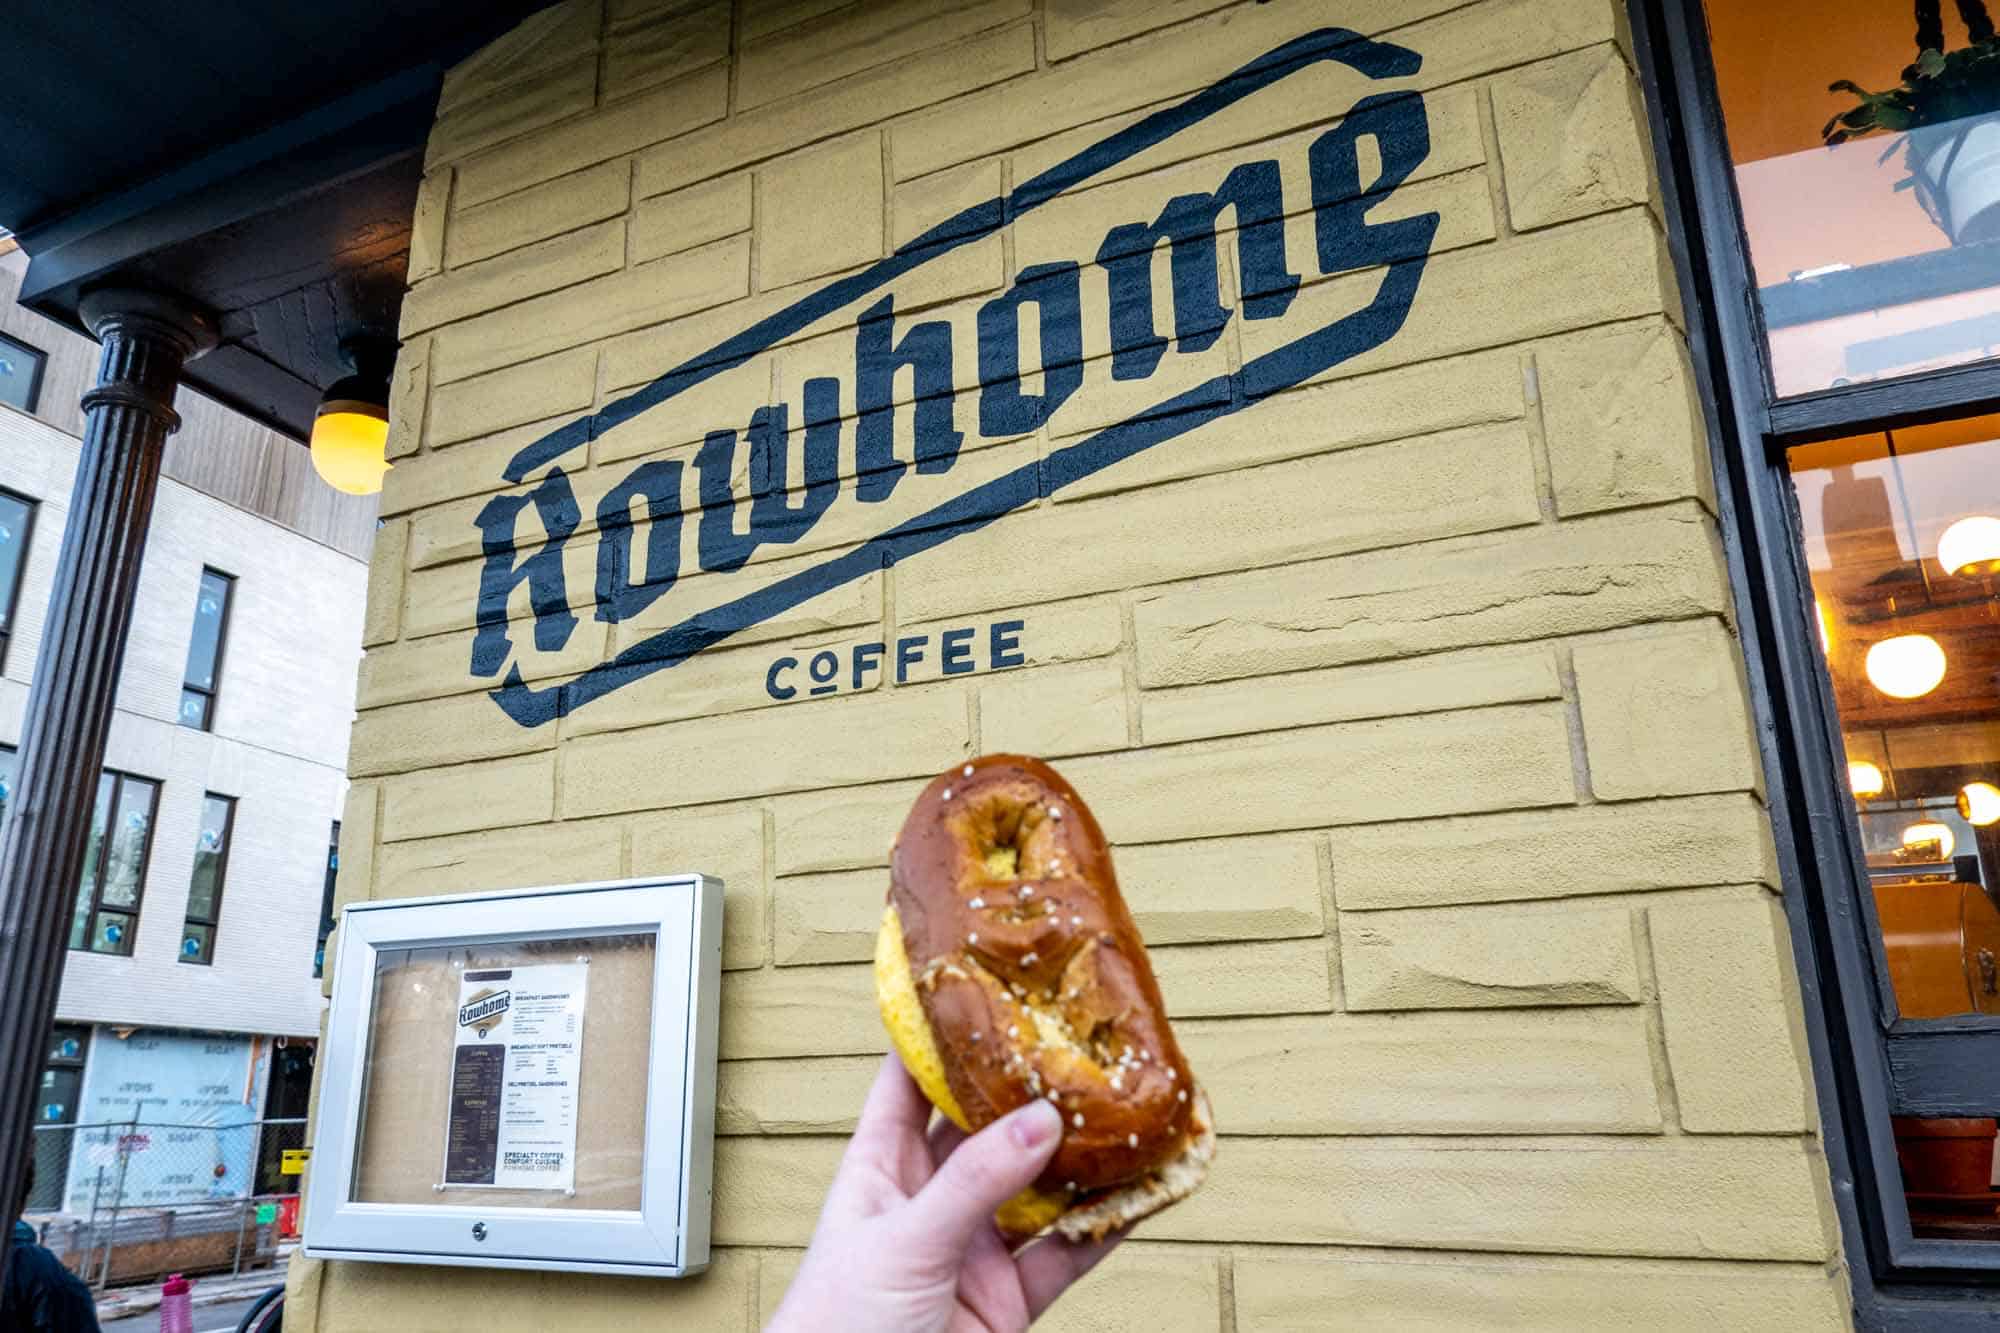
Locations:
{"points": [[133, 1200]]}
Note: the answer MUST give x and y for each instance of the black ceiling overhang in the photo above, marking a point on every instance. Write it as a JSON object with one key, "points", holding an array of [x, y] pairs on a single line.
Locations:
{"points": [[277, 194]]}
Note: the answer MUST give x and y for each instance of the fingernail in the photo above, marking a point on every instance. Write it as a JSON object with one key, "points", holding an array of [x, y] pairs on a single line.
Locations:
{"points": [[1034, 1124]]}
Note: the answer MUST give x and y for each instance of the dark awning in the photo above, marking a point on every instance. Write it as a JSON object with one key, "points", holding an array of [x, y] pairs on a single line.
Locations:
{"points": [[261, 160]]}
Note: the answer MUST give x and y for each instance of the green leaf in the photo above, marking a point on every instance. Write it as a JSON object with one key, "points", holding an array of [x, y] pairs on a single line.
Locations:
{"points": [[1930, 63]]}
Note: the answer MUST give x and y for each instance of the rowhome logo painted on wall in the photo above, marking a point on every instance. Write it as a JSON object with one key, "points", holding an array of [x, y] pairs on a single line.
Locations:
{"points": [[853, 430]]}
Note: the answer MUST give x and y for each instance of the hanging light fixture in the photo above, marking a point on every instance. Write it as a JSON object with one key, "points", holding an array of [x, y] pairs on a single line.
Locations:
{"points": [[1864, 780], [1979, 802], [1908, 666], [350, 433], [1930, 831], [1971, 546]]}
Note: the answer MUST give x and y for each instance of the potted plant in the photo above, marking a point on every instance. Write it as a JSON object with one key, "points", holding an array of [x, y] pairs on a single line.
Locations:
{"points": [[1947, 114]]}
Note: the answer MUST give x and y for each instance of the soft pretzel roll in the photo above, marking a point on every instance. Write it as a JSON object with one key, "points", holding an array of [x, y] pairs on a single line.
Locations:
{"points": [[1033, 982]]}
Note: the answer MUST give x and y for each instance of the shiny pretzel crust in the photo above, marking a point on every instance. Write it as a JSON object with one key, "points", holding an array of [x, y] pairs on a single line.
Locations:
{"points": [[1035, 984]]}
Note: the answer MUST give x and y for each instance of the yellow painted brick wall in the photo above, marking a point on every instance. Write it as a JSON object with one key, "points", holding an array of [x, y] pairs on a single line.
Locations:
{"points": [[1409, 696]]}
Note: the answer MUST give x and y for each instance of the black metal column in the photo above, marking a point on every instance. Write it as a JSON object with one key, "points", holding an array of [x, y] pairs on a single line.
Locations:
{"points": [[127, 418]]}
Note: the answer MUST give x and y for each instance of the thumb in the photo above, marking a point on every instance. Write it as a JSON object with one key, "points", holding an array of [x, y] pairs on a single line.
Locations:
{"points": [[984, 1172]]}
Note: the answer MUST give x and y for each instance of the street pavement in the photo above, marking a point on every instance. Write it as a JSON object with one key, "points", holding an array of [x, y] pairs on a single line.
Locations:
{"points": [[219, 1318]]}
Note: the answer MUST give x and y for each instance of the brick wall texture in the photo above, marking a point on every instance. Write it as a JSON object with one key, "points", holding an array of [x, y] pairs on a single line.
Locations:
{"points": [[1409, 695]]}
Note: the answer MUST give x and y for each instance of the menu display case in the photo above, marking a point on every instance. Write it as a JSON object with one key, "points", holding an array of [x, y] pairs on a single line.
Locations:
{"points": [[522, 1080]]}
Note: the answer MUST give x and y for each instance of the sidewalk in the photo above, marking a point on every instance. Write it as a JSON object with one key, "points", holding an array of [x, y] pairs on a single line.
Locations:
{"points": [[124, 1301]]}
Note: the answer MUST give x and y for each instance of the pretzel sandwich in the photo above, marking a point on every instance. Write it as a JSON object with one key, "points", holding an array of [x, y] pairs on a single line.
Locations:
{"points": [[1008, 968]]}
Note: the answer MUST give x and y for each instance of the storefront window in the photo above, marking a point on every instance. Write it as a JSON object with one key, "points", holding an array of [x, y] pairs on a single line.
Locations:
{"points": [[1872, 210], [1842, 218], [1902, 541]]}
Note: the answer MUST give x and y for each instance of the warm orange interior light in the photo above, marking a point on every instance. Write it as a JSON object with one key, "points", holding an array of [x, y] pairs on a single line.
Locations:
{"points": [[1864, 780], [1930, 831], [349, 447], [1979, 802], [1971, 546], [1908, 666]]}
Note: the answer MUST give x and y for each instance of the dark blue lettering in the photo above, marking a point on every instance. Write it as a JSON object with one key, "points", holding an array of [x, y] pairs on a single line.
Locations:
{"points": [[773, 519], [866, 658], [548, 592], [1402, 135], [620, 596], [926, 350], [1187, 224], [771, 686], [1057, 292], [908, 652], [955, 653], [823, 668], [1003, 645], [1345, 239]]}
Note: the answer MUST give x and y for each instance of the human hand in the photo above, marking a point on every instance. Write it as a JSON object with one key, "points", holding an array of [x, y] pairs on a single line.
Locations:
{"points": [[906, 1240]]}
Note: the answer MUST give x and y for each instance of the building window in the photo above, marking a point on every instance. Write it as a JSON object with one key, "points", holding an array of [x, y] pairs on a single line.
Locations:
{"points": [[204, 660], [1874, 252], [20, 373], [211, 867], [1843, 282], [9, 762], [326, 899], [17, 527], [56, 1105], [114, 864]]}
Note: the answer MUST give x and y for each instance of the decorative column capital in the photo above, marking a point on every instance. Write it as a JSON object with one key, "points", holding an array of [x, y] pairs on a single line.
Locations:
{"points": [[147, 337], [137, 313]]}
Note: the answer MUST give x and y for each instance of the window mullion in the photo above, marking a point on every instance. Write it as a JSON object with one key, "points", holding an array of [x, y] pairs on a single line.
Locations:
{"points": [[1945, 1073]]}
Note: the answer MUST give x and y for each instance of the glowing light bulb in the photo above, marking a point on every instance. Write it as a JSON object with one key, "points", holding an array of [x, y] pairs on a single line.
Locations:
{"points": [[1864, 779], [1908, 666], [349, 449], [1979, 802], [1971, 546], [1929, 831]]}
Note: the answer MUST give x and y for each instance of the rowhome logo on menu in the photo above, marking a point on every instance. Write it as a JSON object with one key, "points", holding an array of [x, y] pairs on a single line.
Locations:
{"points": [[483, 1012], [851, 428]]}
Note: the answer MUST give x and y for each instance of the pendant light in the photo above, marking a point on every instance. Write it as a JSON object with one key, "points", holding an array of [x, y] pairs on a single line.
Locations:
{"points": [[1979, 802], [1971, 547], [1929, 831], [1908, 666], [1864, 780], [350, 433]]}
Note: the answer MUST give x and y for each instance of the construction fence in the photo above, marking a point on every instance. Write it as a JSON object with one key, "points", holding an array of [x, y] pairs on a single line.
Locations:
{"points": [[132, 1200]]}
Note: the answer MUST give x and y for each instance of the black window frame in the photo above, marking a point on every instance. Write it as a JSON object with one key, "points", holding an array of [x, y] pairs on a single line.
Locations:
{"points": [[213, 921], [1869, 1063], [13, 753], [96, 871], [52, 1163], [41, 357], [326, 921], [11, 597], [208, 693]]}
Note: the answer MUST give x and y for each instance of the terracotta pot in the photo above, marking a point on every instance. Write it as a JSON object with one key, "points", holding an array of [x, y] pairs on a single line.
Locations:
{"points": [[1952, 1156]]}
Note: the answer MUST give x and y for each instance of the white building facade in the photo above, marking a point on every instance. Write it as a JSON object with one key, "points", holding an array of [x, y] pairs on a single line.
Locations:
{"points": [[190, 996]]}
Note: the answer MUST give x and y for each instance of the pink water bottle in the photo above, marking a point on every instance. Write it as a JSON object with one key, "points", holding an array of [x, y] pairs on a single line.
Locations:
{"points": [[176, 1312]]}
